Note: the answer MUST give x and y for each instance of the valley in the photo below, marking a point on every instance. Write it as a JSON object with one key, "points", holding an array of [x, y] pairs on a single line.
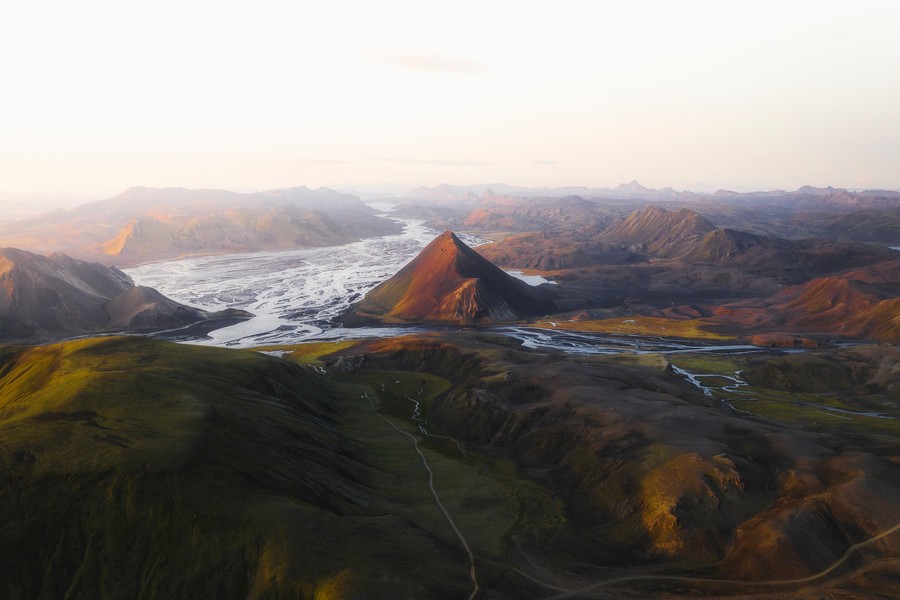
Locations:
{"points": [[403, 300], [504, 405], [557, 476], [639, 403]]}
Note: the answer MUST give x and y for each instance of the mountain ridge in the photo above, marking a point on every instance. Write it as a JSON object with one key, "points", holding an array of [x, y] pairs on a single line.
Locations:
{"points": [[838, 305], [48, 297], [145, 224]]}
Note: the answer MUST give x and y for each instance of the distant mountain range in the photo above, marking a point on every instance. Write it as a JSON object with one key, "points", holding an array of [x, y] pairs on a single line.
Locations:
{"points": [[657, 233], [656, 257], [145, 224], [651, 261], [806, 196], [631, 247], [46, 297], [869, 216]]}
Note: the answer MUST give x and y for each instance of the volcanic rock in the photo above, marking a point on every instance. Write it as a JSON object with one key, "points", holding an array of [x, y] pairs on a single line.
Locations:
{"points": [[448, 282]]}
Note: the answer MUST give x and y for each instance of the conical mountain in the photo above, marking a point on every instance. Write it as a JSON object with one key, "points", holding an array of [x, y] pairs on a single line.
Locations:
{"points": [[448, 282]]}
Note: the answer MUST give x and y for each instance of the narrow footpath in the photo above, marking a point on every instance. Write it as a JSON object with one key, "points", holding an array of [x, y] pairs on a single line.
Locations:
{"points": [[434, 494], [783, 582]]}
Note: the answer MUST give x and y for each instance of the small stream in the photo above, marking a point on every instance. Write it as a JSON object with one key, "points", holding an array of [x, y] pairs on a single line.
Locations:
{"points": [[588, 343], [739, 386]]}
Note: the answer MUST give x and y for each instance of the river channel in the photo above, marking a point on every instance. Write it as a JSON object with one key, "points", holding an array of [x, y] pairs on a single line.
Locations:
{"points": [[295, 295]]}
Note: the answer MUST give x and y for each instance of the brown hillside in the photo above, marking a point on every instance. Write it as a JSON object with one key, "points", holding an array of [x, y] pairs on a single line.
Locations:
{"points": [[825, 301], [46, 297], [448, 282], [235, 230], [552, 251], [659, 232], [883, 272], [828, 305], [881, 322]]}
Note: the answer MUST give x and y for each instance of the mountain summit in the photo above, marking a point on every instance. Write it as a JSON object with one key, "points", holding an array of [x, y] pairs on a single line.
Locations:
{"points": [[448, 282]]}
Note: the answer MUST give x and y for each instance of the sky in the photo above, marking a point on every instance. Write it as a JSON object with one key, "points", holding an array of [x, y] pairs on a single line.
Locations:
{"points": [[98, 96]]}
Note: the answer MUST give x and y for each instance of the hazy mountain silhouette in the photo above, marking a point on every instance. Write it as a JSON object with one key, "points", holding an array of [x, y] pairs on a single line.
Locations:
{"points": [[145, 224]]}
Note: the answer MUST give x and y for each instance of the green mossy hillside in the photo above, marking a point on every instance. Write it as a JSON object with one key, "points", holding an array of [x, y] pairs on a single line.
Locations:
{"points": [[134, 468], [137, 468]]}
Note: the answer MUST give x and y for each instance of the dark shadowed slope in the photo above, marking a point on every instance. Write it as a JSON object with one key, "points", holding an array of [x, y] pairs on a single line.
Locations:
{"points": [[144, 308], [448, 282], [45, 297], [134, 468]]}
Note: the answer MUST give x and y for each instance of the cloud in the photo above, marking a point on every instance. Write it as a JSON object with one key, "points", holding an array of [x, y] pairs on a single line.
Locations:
{"points": [[448, 162], [300, 162], [428, 62], [14, 49]]}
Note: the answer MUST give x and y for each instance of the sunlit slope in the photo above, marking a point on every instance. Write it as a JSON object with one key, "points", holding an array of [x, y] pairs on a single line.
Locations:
{"points": [[448, 282], [652, 472], [836, 305]]}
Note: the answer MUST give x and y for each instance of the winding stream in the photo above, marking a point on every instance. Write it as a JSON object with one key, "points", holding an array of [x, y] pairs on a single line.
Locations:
{"points": [[587, 343]]}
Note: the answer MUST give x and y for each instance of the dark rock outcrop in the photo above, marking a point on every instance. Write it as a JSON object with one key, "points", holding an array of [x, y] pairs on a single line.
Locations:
{"points": [[46, 297]]}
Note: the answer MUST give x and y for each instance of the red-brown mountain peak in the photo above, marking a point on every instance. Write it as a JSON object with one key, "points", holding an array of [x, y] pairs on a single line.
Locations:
{"points": [[448, 282]]}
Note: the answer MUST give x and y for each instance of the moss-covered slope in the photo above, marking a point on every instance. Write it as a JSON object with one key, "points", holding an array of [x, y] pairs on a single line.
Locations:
{"points": [[132, 468]]}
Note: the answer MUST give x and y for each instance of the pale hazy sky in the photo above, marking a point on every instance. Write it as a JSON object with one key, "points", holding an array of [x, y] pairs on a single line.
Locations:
{"points": [[97, 96]]}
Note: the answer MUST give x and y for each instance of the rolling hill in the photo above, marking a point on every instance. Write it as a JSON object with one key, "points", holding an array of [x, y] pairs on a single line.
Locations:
{"points": [[138, 468], [837, 305], [133, 468], [656, 476]]}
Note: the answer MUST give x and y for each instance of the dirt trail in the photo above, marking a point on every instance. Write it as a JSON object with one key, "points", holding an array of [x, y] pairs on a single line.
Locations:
{"points": [[638, 578], [434, 494]]}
